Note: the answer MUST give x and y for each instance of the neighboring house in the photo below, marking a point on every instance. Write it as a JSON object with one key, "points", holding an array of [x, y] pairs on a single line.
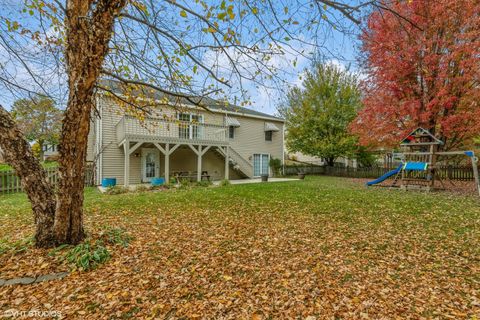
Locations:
{"points": [[50, 152], [225, 142], [300, 157]]}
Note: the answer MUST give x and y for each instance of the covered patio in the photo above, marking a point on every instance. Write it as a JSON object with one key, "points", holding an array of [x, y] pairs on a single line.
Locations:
{"points": [[150, 161], [158, 136]]}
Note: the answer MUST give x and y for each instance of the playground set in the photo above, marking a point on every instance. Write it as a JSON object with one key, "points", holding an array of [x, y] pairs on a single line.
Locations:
{"points": [[419, 158]]}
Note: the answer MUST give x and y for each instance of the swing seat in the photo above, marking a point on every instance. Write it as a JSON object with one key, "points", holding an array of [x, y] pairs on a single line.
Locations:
{"points": [[415, 166]]}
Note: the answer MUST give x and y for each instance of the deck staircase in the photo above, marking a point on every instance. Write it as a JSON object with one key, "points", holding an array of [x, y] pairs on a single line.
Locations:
{"points": [[237, 162]]}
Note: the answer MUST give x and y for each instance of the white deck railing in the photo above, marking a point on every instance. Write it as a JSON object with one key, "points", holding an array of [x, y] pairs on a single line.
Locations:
{"points": [[161, 130]]}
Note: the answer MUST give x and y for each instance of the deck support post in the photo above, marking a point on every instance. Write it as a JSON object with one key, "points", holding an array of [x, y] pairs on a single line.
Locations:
{"points": [[126, 177], [199, 164], [167, 151], [227, 157], [199, 154], [167, 163]]}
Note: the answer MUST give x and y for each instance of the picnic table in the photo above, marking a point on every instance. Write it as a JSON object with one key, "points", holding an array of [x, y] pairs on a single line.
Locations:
{"points": [[190, 175]]}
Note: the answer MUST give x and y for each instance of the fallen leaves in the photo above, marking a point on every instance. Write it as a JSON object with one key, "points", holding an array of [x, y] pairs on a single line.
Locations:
{"points": [[311, 250]]}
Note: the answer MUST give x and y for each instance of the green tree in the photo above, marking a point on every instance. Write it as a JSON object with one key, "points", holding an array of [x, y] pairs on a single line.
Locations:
{"points": [[318, 113], [39, 120]]}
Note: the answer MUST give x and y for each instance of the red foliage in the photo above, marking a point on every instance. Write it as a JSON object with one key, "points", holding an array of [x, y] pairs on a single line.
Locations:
{"points": [[423, 69]]}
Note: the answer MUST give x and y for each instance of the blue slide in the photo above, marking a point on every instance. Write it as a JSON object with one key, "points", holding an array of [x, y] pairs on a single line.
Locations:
{"points": [[385, 176]]}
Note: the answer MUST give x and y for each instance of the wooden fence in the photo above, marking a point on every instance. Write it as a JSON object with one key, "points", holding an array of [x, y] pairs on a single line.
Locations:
{"points": [[458, 173], [10, 182]]}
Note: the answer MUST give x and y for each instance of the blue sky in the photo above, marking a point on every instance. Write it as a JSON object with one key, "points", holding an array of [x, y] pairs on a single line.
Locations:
{"points": [[334, 47], [342, 51]]}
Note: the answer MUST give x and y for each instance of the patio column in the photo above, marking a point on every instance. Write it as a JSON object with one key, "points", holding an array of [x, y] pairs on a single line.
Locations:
{"points": [[201, 152], [167, 151], [199, 164], [167, 163], [227, 168], [126, 172]]}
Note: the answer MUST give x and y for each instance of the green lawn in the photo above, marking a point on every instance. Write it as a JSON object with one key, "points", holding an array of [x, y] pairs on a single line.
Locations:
{"points": [[46, 164], [323, 247]]}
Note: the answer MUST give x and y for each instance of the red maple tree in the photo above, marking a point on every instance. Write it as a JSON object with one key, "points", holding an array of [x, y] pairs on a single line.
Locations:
{"points": [[422, 62]]}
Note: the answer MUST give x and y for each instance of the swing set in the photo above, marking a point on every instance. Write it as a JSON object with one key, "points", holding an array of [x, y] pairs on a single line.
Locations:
{"points": [[420, 157]]}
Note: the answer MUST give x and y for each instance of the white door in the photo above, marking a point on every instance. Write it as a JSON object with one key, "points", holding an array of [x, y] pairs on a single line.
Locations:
{"points": [[150, 164], [260, 164]]}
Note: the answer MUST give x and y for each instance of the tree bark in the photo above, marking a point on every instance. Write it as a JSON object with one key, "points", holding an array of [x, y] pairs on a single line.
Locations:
{"points": [[88, 32], [41, 143], [18, 153]]}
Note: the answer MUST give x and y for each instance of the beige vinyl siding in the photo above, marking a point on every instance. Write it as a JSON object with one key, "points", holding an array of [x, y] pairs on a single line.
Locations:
{"points": [[112, 155], [91, 140], [250, 138]]}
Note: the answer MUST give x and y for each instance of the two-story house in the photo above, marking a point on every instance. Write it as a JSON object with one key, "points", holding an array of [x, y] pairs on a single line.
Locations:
{"points": [[216, 141]]}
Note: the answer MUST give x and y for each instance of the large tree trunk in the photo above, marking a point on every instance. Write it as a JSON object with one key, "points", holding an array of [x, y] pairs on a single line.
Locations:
{"points": [[73, 151], [18, 153], [88, 32]]}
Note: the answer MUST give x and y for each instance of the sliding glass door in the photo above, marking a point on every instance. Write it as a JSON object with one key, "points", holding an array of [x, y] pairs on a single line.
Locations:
{"points": [[260, 164]]}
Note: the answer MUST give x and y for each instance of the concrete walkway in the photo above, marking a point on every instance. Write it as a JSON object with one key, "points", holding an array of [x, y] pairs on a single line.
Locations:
{"points": [[29, 280]]}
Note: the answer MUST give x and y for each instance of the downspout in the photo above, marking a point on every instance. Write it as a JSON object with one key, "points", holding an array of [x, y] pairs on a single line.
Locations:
{"points": [[95, 155], [99, 138]]}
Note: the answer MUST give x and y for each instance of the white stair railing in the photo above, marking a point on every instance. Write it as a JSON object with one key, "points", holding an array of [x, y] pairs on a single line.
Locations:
{"points": [[238, 162]]}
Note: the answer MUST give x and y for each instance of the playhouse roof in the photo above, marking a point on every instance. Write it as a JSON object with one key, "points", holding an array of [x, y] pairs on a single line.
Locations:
{"points": [[420, 136]]}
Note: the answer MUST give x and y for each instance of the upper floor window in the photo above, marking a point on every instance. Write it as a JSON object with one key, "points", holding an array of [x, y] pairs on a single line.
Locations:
{"points": [[269, 129], [268, 135], [193, 130], [231, 123]]}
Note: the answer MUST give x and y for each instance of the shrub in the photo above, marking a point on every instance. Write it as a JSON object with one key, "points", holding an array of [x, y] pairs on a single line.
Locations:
{"points": [[225, 182], [276, 165], [142, 188], [116, 190], [17, 246], [55, 251], [116, 236], [86, 256], [165, 186], [203, 183], [185, 183]]}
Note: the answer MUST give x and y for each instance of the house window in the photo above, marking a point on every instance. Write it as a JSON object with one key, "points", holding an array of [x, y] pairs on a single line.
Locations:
{"points": [[260, 164], [191, 127], [268, 135], [231, 132]]}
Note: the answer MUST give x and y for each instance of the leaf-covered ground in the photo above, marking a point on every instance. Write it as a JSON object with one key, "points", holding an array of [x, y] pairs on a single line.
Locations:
{"points": [[324, 247]]}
